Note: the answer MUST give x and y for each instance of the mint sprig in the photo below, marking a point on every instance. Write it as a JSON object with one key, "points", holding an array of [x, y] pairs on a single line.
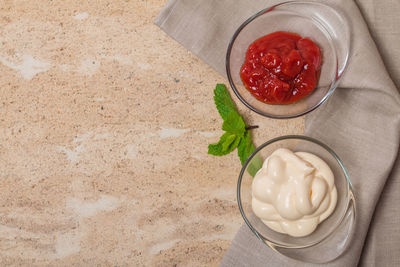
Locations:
{"points": [[223, 101], [226, 144], [237, 133], [234, 123]]}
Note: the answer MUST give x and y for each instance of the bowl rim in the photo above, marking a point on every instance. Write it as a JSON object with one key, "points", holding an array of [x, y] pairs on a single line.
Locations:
{"points": [[339, 72], [350, 195]]}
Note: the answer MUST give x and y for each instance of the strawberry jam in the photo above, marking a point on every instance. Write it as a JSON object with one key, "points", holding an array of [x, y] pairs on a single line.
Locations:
{"points": [[281, 68]]}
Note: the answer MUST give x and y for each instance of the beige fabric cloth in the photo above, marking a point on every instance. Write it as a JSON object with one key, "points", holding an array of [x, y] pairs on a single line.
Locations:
{"points": [[360, 121]]}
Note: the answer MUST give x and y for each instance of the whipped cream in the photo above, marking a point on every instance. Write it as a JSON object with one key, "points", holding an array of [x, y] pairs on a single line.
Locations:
{"points": [[293, 192]]}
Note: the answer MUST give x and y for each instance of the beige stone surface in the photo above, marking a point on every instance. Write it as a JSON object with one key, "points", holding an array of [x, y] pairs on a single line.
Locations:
{"points": [[104, 127]]}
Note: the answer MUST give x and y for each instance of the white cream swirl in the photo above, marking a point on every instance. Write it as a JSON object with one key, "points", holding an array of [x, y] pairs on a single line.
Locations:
{"points": [[293, 192]]}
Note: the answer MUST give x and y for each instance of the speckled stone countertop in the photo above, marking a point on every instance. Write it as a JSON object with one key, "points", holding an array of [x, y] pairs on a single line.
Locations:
{"points": [[105, 123]]}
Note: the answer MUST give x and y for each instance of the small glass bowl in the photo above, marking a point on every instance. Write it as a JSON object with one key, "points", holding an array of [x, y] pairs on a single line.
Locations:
{"points": [[323, 24], [332, 236]]}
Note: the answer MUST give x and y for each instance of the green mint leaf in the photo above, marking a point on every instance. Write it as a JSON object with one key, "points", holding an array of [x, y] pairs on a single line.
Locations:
{"points": [[226, 144], [254, 165], [234, 144], [223, 101], [245, 149], [229, 140], [234, 124], [235, 134]]}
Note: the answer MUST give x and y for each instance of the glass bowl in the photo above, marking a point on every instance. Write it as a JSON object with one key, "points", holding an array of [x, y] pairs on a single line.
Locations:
{"points": [[332, 236], [323, 24]]}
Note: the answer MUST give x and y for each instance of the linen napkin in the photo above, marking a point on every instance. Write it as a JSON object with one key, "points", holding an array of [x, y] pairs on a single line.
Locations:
{"points": [[360, 122]]}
